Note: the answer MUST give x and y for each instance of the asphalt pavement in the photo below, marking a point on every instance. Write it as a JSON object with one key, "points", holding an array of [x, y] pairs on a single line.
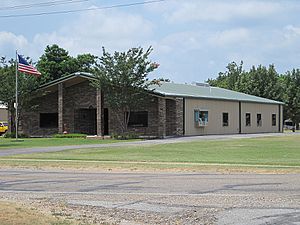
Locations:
{"points": [[158, 198]]}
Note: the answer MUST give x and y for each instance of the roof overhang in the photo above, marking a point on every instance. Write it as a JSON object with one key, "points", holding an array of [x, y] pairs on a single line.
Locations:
{"points": [[69, 80]]}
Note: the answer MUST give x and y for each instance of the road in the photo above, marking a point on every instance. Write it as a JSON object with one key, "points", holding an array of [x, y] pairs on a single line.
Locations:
{"points": [[157, 198]]}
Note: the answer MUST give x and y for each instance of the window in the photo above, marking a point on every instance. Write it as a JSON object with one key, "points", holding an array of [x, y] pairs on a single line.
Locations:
{"points": [[138, 119], [248, 119], [225, 120], [48, 120], [258, 120], [273, 119], [201, 118]]}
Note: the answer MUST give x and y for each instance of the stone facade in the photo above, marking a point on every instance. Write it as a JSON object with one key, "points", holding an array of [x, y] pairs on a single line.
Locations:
{"points": [[80, 108]]}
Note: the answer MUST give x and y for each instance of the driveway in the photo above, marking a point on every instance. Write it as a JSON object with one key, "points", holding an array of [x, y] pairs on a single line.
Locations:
{"points": [[138, 143], [157, 198]]}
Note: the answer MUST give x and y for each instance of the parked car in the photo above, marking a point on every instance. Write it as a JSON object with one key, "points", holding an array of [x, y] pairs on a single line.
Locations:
{"points": [[289, 125], [3, 127]]}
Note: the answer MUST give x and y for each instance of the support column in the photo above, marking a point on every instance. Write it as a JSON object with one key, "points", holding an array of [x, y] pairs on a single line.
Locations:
{"points": [[161, 117], [179, 117], [60, 108], [99, 106]]}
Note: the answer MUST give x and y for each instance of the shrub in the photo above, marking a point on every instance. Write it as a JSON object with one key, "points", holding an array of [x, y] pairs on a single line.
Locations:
{"points": [[125, 136], [69, 135], [13, 135]]}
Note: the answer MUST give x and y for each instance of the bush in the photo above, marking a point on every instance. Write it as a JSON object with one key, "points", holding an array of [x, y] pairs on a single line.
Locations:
{"points": [[13, 135], [125, 136], [69, 135]]}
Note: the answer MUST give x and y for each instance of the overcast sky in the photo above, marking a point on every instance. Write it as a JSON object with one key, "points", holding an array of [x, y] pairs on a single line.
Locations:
{"points": [[193, 40]]}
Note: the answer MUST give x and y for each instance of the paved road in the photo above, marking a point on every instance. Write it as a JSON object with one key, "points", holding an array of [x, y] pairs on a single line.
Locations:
{"points": [[138, 143], [158, 198]]}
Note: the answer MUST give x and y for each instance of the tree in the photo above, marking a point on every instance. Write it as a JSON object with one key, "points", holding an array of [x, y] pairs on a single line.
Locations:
{"points": [[229, 79], [26, 84], [56, 63], [259, 81], [124, 75], [292, 95]]}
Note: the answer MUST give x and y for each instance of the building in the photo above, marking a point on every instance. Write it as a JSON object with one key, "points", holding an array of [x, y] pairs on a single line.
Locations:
{"points": [[71, 104], [3, 113]]}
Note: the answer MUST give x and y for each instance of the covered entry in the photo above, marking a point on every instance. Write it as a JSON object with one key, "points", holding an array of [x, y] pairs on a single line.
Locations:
{"points": [[85, 121]]}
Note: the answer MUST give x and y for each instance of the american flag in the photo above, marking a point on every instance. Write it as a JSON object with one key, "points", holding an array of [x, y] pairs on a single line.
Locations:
{"points": [[25, 67]]}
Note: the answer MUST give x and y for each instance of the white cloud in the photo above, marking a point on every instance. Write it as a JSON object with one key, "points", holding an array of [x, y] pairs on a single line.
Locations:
{"points": [[111, 29], [229, 37], [221, 11]]}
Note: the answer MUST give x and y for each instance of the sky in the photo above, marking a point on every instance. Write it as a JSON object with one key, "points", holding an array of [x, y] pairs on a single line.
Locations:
{"points": [[193, 40]]}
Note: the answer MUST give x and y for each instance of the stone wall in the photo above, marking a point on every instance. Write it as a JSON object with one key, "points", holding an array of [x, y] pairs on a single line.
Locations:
{"points": [[152, 129], [174, 117], [165, 116], [79, 96], [30, 122]]}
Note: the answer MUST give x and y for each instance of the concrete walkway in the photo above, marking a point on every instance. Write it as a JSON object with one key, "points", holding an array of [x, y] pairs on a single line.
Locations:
{"points": [[139, 143]]}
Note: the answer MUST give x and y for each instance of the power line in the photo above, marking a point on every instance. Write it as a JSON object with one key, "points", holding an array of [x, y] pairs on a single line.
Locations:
{"points": [[82, 10], [41, 4]]}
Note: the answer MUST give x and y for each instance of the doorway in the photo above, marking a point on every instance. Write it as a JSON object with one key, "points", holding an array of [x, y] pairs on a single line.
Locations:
{"points": [[105, 118], [87, 122]]}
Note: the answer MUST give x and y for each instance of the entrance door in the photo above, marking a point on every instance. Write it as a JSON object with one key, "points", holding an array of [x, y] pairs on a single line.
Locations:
{"points": [[87, 123], [105, 118]]}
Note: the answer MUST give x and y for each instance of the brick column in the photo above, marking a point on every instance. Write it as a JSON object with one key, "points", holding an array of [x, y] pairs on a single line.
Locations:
{"points": [[179, 116], [60, 108], [162, 117], [99, 105]]}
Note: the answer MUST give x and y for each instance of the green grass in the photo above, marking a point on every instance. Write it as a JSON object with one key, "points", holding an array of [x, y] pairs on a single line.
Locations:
{"points": [[281, 151], [7, 143]]}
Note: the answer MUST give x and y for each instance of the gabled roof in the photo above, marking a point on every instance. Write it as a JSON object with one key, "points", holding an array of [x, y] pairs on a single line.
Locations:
{"points": [[68, 77], [167, 89]]}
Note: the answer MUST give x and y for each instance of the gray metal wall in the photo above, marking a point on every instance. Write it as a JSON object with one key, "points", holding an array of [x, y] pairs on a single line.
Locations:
{"points": [[236, 124]]}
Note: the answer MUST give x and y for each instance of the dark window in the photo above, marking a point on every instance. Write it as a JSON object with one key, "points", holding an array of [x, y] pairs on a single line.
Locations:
{"points": [[49, 120], [225, 120], [273, 119], [138, 119], [248, 119], [258, 120]]}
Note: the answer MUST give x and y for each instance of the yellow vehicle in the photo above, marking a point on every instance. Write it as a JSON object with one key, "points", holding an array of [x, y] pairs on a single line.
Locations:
{"points": [[3, 127]]}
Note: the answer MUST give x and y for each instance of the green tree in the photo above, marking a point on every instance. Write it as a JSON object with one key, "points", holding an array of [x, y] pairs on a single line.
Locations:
{"points": [[229, 79], [259, 81], [124, 75], [26, 84], [292, 95], [56, 63]]}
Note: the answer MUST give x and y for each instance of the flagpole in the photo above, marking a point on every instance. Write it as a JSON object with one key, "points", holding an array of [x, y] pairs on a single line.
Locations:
{"points": [[16, 116]]}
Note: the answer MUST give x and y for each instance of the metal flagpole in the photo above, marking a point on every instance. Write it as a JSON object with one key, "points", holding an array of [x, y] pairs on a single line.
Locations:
{"points": [[16, 106]]}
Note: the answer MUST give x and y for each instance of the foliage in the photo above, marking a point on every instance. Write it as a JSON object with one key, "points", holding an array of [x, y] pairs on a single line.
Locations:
{"points": [[13, 135], [292, 95], [125, 136], [26, 84], [124, 75], [56, 63], [69, 136]]}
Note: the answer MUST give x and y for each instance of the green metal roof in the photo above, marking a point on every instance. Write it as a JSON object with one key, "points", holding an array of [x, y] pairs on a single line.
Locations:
{"points": [[169, 89], [206, 92], [68, 77]]}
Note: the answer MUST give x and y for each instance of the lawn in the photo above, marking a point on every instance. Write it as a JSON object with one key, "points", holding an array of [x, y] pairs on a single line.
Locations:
{"points": [[276, 151], [7, 143]]}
